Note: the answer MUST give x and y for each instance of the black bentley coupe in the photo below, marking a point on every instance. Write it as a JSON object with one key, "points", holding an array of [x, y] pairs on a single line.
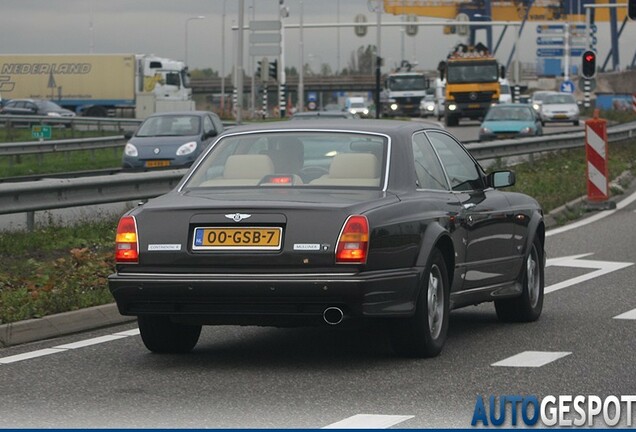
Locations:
{"points": [[318, 222]]}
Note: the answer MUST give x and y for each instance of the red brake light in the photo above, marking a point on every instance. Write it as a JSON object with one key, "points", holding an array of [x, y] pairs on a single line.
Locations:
{"points": [[126, 241], [353, 243], [281, 180]]}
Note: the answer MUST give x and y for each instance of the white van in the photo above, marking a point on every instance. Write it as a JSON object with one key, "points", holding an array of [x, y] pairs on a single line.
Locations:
{"points": [[505, 93]]}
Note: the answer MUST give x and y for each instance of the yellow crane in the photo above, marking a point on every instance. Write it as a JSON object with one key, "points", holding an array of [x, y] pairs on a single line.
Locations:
{"points": [[516, 10]]}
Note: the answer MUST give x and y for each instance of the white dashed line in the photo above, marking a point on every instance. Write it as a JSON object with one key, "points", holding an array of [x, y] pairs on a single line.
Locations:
{"points": [[30, 355], [369, 421], [69, 346], [89, 342], [531, 359], [631, 315]]}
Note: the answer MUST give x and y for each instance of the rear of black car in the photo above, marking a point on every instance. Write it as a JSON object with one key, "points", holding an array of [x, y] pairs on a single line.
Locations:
{"points": [[285, 263]]}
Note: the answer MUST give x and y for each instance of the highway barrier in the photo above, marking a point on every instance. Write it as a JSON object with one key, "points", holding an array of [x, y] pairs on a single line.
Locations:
{"points": [[49, 194]]}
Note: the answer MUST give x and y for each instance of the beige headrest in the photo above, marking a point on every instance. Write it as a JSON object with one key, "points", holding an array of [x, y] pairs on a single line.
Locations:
{"points": [[252, 166], [354, 165]]}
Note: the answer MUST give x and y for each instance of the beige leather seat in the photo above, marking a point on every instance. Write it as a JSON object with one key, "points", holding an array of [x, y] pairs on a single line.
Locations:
{"points": [[243, 170], [352, 169]]}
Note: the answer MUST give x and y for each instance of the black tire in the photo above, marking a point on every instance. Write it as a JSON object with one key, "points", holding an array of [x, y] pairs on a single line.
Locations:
{"points": [[161, 335], [451, 120], [528, 306], [96, 111], [424, 334]]}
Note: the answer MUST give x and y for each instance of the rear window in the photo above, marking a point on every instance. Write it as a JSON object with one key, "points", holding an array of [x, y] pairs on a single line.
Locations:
{"points": [[294, 159]]}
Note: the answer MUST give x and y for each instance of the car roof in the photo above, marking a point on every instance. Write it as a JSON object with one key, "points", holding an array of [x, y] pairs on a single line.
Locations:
{"points": [[174, 113], [346, 125], [511, 105], [332, 113]]}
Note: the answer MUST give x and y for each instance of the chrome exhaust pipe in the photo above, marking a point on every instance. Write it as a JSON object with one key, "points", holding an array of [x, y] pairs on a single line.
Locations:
{"points": [[333, 315]]}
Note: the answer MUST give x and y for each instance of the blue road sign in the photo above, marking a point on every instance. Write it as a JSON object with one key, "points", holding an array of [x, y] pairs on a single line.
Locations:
{"points": [[559, 52], [550, 40], [551, 29], [567, 87], [550, 52], [312, 96]]}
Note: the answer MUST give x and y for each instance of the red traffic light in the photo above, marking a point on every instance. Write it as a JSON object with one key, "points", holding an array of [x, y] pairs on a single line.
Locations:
{"points": [[588, 64]]}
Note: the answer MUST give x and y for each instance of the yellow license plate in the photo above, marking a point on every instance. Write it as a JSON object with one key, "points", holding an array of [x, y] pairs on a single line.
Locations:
{"points": [[261, 238], [474, 106], [560, 116], [157, 163]]}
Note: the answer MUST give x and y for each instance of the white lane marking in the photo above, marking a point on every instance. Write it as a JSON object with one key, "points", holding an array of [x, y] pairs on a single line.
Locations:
{"points": [[89, 342], [631, 315], [602, 268], [133, 332], [29, 355], [369, 421], [531, 359], [603, 214], [66, 347]]}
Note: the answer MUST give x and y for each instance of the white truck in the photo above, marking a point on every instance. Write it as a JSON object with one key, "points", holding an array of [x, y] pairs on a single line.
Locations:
{"points": [[97, 85], [402, 93]]}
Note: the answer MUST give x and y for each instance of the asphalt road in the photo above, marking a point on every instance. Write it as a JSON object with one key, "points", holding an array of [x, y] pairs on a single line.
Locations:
{"points": [[315, 377]]}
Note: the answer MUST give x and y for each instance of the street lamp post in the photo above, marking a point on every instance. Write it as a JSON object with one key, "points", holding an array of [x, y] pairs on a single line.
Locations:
{"points": [[186, 34], [223, 61]]}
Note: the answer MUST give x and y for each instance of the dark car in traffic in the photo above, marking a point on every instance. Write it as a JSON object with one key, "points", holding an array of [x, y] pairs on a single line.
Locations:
{"points": [[170, 140], [300, 223], [36, 107]]}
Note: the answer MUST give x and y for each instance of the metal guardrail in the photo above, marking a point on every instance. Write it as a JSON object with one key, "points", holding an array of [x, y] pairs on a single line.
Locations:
{"points": [[114, 123], [508, 148], [48, 194], [66, 145]]}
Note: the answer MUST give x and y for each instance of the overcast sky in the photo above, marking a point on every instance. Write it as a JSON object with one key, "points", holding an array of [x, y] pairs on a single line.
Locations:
{"points": [[159, 27]]}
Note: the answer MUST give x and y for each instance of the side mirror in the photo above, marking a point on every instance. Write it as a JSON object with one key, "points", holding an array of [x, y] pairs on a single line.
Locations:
{"points": [[128, 135], [501, 179], [210, 134], [503, 71]]}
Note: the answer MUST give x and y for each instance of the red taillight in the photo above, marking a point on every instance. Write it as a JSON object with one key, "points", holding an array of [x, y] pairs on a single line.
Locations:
{"points": [[126, 244], [353, 244]]}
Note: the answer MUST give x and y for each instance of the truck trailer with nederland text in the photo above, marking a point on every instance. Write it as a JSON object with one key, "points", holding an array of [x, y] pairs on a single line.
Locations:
{"points": [[96, 85]]}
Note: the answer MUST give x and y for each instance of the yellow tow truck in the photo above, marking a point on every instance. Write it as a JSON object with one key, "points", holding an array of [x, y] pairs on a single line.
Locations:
{"points": [[472, 82]]}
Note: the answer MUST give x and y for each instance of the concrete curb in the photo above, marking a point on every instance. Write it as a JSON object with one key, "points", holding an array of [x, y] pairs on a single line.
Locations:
{"points": [[51, 326]]}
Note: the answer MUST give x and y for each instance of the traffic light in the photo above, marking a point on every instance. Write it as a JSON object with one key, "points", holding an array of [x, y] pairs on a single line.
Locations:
{"points": [[273, 70], [262, 69], [631, 9], [588, 64]]}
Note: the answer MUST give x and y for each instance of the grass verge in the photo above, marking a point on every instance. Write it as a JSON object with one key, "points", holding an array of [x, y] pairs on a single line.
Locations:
{"points": [[57, 269], [50, 163]]}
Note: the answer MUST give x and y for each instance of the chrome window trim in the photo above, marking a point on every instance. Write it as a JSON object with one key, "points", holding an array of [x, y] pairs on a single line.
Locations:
{"points": [[387, 167]]}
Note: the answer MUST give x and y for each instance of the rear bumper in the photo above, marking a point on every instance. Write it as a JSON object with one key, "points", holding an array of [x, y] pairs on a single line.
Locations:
{"points": [[265, 299]]}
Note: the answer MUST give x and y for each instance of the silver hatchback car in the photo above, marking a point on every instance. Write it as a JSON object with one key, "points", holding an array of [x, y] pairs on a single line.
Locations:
{"points": [[560, 107]]}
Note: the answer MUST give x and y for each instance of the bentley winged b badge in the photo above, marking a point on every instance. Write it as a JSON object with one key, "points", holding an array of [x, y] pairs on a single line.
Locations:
{"points": [[237, 217]]}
